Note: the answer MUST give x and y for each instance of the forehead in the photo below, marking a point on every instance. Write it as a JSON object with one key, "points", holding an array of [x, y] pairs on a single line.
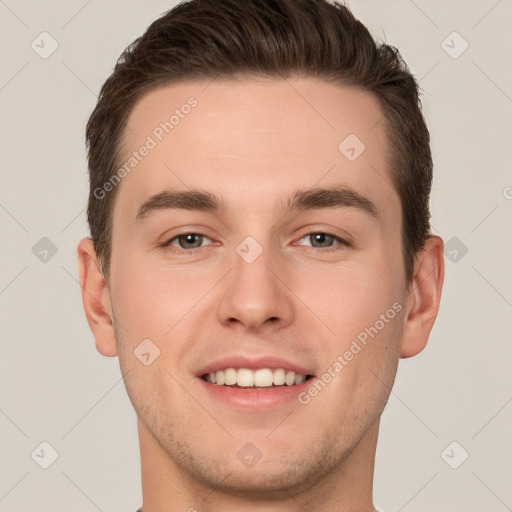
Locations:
{"points": [[255, 140]]}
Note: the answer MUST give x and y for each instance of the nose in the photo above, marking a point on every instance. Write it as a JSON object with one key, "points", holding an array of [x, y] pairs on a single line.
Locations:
{"points": [[256, 294]]}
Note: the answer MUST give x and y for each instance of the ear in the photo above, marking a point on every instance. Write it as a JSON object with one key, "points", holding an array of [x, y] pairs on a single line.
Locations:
{"points": [[424, 297], [96, 298]]}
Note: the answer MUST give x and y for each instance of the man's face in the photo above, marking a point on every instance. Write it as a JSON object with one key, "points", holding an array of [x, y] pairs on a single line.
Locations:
{"points": [[256, 285]]}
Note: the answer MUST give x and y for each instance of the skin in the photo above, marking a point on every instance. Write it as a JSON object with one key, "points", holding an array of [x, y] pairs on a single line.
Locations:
{"points": [[254, 142]]}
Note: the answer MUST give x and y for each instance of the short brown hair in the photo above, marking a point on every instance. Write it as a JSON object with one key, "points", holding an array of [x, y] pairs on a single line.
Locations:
{"points": [[207, 39]]}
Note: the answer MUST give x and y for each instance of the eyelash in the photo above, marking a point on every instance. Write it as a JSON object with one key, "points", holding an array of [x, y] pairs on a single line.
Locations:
{"points": [[342, 243]]}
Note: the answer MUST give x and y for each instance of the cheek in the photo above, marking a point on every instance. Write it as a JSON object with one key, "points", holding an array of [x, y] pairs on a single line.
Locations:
{"points": [[145, 299], [363, 308], [349, 297]]}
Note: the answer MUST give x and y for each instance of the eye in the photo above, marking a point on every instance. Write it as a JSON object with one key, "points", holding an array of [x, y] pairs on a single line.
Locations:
{"points": [[321, 240], [186, 241]]}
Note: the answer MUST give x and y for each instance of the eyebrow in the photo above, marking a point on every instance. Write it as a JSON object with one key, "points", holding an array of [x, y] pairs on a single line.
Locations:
{"points": [[302, 199]]}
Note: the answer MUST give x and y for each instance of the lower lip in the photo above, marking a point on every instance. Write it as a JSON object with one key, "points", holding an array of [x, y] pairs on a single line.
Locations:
{"points": [[255, 399]]}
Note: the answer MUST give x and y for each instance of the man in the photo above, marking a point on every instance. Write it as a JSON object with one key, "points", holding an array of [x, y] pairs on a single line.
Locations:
{"points": [[260, 255]]}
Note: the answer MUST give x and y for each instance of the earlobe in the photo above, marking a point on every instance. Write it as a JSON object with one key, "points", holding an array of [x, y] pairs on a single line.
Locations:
{"points": [[424, 297], [96, 298]]}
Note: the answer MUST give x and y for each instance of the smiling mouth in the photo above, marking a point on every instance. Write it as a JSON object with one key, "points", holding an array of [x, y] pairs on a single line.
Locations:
{"points": [[262, 378]]}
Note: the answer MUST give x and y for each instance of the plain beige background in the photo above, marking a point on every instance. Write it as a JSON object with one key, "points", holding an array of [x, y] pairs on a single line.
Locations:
{"points": [[453, 400]]}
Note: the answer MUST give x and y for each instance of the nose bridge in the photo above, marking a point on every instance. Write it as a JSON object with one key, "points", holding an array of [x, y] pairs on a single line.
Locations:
{"points": [[255, 294]]}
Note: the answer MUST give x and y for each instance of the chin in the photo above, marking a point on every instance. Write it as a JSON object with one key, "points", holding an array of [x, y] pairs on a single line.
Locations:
{"points": [[264, 481], [277, 473]]}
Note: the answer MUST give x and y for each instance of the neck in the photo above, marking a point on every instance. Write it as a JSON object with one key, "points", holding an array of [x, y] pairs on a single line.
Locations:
{"points": [[165, 486]]}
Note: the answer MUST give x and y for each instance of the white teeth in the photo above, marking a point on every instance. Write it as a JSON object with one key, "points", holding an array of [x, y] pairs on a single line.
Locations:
{"points": [[290, 378], [230, 376], [245, 377], [299, 379], [261, 378], [279, 377]]}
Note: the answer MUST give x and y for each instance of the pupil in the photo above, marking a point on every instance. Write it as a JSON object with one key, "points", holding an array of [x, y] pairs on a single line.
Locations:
{"points": [[320, 237], [189, 239]]}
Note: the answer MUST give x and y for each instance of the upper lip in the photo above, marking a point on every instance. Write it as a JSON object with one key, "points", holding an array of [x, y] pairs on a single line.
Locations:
{"points": [[253, 363]]}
